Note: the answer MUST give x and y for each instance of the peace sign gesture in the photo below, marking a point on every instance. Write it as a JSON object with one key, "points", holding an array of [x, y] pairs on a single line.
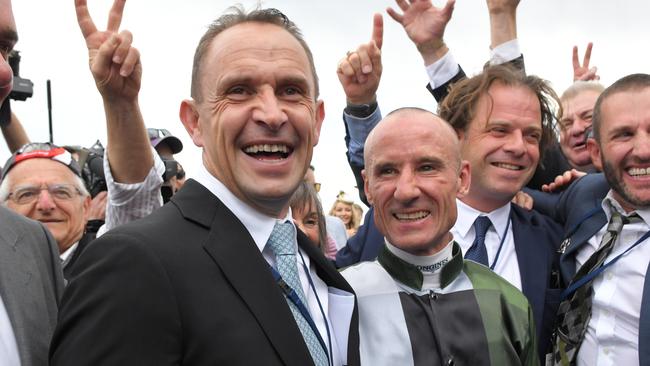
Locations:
{"points": [[583, 72], [114, 63]]}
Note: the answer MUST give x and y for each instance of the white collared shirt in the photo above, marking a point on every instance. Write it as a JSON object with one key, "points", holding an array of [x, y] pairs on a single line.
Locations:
{"points": [[8, 346], [260, 227], [612, 336], [506, 264]]}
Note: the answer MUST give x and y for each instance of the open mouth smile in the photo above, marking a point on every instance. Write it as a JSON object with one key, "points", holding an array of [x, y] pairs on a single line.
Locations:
{"points": [[268, 151]]}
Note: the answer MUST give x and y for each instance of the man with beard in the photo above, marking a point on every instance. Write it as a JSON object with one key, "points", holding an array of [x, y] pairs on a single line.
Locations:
{"points": [[603, 317]]}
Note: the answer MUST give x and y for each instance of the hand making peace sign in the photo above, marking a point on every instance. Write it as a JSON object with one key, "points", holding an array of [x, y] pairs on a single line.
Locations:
{"points": [[114, 63]]}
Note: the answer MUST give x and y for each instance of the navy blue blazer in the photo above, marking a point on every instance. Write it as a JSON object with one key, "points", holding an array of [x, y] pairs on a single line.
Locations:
{"points": [[579, 207], [536, 237]]}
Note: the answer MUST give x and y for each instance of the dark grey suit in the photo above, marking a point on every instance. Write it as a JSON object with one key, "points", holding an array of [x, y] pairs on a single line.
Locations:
{"points": [[31, 282]]}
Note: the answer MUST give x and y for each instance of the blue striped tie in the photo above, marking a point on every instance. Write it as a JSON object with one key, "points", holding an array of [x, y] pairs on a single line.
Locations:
{"points": [[282, 244]]}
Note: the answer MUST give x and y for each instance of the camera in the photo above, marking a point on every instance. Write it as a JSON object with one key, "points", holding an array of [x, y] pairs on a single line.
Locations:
{"points": [[23, 88]]}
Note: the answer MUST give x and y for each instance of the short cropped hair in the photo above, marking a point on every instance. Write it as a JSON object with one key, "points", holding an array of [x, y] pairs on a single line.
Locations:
{"points": [[237, 15], [633, 82], [459, 107]]}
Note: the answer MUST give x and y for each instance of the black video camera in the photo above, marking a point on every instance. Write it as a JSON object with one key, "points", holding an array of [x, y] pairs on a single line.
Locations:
{"points": [[23, 88]]}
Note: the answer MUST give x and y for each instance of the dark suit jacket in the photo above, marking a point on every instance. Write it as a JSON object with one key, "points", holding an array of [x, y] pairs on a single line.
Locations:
{"points": [[31, 283], [579, 208], [185, 286], [536, 240]]}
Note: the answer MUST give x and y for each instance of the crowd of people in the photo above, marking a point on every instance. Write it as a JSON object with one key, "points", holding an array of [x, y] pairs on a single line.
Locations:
{"points": [[507, 228]]}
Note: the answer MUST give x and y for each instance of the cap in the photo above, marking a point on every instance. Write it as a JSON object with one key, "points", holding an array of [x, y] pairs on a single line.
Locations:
{"points": [[160, 135], [42, 150]]}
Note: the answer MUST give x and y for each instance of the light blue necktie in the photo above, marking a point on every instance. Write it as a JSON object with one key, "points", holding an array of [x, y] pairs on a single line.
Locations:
{"points": [[281, 243], [478, 252]]}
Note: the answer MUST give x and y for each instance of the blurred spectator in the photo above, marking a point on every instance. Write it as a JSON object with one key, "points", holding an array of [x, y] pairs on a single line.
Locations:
{"points": [[342, 209], [166, 146], [335, 227], [308, 215]]}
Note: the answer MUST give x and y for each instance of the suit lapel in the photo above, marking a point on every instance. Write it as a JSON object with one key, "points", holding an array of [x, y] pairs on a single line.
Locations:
{"points": [[532, 259], [580, 232], [234, 251]]}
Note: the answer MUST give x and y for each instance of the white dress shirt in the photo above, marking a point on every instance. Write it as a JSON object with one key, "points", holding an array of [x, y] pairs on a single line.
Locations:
{"points": [[612, 336], [506, 264], [260, 227], [8, 347]]}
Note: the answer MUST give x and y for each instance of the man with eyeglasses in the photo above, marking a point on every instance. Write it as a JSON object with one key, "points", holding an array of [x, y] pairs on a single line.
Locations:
{"points": [[43, 182], [30, 275]]}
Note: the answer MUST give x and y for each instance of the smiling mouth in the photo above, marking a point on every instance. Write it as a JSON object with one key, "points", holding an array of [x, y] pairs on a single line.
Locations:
{"points": [[639, 172], [412, 216], [508, 166], [268, 151]]}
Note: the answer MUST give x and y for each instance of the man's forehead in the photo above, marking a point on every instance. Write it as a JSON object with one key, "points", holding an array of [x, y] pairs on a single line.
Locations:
{"points": [[41, 170]]}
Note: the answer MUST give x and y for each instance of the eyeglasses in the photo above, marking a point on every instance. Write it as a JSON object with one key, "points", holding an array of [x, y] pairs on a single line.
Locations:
{"points": [[28, 194], [157, 133]]}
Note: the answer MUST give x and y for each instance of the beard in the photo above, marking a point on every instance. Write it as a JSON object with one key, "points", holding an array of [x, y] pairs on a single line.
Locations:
{"points": [[616, 183]]}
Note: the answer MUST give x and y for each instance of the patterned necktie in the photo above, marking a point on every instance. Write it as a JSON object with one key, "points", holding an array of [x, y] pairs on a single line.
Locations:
{"points": [[574, 312], [478, 252], [281, 243]]}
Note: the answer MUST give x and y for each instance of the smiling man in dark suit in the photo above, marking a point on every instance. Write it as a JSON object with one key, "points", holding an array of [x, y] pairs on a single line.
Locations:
{"points": [[207, 279]]}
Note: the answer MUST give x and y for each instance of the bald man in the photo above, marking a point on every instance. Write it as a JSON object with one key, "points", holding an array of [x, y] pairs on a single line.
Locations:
{"points": [[420, 300]]}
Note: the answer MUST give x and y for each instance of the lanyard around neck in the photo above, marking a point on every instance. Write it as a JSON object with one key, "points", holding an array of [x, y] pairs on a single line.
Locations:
{"points": [[503, 239], [591, 275]]}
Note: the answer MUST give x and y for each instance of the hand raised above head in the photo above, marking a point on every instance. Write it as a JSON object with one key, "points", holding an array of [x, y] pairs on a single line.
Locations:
{"points": [[114, 62], [424, 23], [359, 71], [583, 72]]}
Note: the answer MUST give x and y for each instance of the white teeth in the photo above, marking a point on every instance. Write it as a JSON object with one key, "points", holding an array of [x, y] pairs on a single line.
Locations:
{"points": [[638, 171], [254, 149], [508, 166], [413, 215]]}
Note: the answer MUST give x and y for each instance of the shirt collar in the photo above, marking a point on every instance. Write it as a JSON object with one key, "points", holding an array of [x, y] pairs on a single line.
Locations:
{"points": [[467, 215], [609, 203], [258, 225]]}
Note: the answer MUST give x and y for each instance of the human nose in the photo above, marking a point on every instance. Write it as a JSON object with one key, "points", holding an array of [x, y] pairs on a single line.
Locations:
{"points": [[642, 146], [269, 111], [515, 143], [579, 127], [45, 201], [406, 188]]}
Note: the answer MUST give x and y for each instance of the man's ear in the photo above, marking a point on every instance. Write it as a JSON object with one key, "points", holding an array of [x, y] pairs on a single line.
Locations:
{"points": [[319, 118], [189, 115], [594, 152], [464, 179], [86, 208], [366, 188]]}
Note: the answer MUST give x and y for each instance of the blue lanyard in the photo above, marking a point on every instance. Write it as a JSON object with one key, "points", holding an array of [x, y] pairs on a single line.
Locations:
{"points": [[503, 239], [591, 275], [291, 294]]}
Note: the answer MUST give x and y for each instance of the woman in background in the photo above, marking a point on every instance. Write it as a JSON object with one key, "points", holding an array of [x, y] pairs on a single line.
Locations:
{"points": [[343, 209], [308, 216]]}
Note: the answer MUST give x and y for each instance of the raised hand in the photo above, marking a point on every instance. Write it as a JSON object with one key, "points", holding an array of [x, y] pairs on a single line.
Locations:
{"points": [[424, 23], [583, 72], [114, 63], [360, 71], [563, 180]]}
